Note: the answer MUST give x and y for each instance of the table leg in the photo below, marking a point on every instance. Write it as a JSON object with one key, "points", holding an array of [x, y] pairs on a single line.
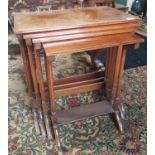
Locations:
{"points": [[35, 116], [113, 62], [43, 94], [109, 71], [52, 98], [95, 54], [29, 82], [117, 98], [115, 87], [36, 101], [26, 66]]}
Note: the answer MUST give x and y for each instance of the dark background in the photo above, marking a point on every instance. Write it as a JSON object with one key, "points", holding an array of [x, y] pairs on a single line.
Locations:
{"points": [[134, 57]]}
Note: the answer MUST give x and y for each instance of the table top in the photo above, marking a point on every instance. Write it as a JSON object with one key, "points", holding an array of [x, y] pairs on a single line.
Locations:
{"points": [[86, 44], [82, 35], [69, 19]]}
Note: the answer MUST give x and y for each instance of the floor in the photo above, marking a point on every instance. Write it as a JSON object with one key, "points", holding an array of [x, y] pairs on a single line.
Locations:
{"points": [[96, 136]]}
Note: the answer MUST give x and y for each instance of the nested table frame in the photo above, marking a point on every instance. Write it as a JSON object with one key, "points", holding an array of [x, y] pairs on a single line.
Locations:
{"points": [[37, 46], [87, 29], [112, 82], [49, 36], [33, 23]]}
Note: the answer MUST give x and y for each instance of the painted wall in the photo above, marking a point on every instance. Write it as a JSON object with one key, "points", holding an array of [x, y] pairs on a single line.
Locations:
{"points": [[129, 3], [122, 2], [125, 2]]}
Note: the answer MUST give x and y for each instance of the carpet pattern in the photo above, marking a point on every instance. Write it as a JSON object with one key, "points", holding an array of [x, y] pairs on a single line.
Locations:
{"points": [[95, 136]]}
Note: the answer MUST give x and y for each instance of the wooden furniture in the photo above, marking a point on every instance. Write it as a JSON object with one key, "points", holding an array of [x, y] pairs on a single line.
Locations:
{"points": [[28, 58], [51, 33], [110, 81]]}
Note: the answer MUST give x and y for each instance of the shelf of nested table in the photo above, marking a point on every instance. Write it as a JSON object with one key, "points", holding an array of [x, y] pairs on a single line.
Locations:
{"points": [[83, 112]]}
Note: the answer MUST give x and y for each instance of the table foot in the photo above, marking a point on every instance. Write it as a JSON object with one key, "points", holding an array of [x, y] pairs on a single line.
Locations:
{"points": [[48, 128], [122, 111], [57, 139], [41, 123], [36, 124], [118, 121]]}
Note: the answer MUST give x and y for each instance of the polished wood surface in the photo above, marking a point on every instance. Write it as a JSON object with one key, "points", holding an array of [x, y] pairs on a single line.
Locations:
{"points": [[67, 19], [78, 45], [79, 31], [85, 35]]}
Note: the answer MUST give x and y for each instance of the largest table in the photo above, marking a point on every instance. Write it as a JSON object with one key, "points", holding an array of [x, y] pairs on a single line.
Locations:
{"points": [[85, 28]]}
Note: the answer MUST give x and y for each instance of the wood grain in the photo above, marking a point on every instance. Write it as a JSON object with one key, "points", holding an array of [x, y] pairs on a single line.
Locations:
{"points": [[91, 43], [78, 18], [79, 30]]}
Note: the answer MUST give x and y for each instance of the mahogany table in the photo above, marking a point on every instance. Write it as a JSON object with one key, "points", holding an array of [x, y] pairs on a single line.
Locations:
{"points": [[86, 29]]}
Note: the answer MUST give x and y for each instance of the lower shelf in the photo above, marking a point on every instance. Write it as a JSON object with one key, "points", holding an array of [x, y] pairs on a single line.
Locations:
{"points": [[84, 111]]}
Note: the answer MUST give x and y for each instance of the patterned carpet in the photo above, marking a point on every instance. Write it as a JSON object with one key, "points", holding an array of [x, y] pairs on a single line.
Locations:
{"points": [[96, 136]]}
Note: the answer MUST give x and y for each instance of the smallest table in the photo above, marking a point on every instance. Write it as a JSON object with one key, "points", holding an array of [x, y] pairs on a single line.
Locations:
{"points": [[110, 81]]}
